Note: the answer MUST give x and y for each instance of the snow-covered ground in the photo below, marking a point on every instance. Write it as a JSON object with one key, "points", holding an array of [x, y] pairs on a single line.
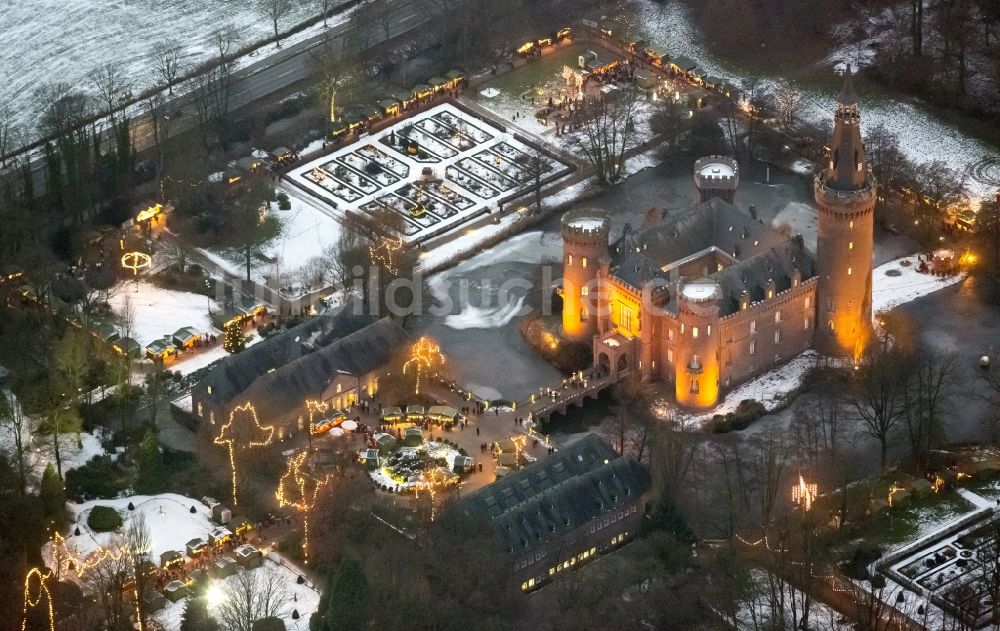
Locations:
{"points": [[757, 612], [168, 516], [476, 162], [307, 229], [889, 292], [433, 449], [302, 598], [189, 363], [48, 41], [921, 136], [157, 312]]}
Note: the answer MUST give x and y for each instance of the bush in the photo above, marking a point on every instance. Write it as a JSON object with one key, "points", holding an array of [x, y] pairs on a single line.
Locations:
{"points": [[857, 566], [104, 519], [283, 202], [99, 477], [748, 411]]}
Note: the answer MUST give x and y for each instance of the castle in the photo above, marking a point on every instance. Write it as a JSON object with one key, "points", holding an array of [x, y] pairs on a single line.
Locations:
{"points": [[710, 297]]}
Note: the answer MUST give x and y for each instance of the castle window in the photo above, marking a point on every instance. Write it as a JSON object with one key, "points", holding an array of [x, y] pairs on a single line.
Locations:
{"points": [[694, 386], [849, 271], [850, 224], [777, 337], [584, 316], [753, 326], [201, 411], [694, 331], [670, 334], [829, 325], [340, 388], [585, 291], [583, 261], [709, 331], [682, 328], [753, 347], [805, 323], [211, 417], [808, 302], [569, 259], [670, 355], [850, 245], [829, 304], [770, 293], [210, 389], [777, 316]]}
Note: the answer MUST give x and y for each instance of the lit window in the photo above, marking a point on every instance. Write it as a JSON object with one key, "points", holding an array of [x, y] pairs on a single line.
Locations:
{"points": [[829, 325], [709, 331], [201, 412], [340, 388], [805, 324], [211, 417], [777, 315], [753, 326], [753, 347], [682, 328], [670, 334], [569, 260], [850, 224], [694, 331], [770, 293], [850, 245], [808, 301], [583, 261], [849, 271], [670, 355], [777, 337], [585, 291], [210, 389]]}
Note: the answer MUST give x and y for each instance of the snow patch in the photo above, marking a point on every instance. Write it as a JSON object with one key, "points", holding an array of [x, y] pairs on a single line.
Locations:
{"points": [[888, 292]]}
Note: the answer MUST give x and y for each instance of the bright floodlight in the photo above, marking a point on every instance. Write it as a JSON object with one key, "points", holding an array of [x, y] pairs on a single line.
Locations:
{"points": [[214, 594]]}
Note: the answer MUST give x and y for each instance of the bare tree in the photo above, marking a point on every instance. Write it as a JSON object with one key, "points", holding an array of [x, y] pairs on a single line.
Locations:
{"points": [[324, 6], [112, 85], [930, 384], [274, 10], [877, 396], [252, 596], [63, 109], [107, 581], [11, 136], [137, 545], [534, 166], [886, 159], [331, 71], [787, 100], [167, 56], [19, 426], [607, 132]]}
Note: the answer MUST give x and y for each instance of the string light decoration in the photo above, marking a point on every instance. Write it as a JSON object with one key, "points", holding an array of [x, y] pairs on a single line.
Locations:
{"points": [[430, 480], [804, 494], [424, 355], [232, 336], [385, 253], [66, 557], [299, 490], [135, 261], [315, 407], [43, 591], [895, 488], [234, 436]]}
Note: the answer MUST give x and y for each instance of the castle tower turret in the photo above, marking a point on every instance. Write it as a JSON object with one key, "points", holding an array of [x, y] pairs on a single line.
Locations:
{"points": [[585, 252], [845, 196], [716, 176], [696, 372]]}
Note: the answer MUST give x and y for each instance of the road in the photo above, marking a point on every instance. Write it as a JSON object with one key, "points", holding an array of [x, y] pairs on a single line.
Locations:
{"points": [[261, 79]]}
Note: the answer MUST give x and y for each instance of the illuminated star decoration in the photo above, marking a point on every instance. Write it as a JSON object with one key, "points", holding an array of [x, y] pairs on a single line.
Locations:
{"points": [[299, 489], [423, 356], [234, 437], [384, 253], [43, 591]]}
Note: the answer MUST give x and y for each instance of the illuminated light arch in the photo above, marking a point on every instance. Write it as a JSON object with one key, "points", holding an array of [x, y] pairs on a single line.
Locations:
{"points": [[299, 490], [423, 356], [231, 440], [136, 261], [43, 591]]}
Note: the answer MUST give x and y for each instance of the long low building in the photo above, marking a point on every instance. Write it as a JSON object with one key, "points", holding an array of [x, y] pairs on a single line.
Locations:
{"points": [[334, 358], [579, 502]]}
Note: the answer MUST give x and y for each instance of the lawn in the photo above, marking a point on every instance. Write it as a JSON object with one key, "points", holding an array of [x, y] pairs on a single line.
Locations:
{"points": [[897, 526]]}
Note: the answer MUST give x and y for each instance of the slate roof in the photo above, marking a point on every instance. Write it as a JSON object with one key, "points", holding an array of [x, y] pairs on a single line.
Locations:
{"points": [[545, 500], [762, 252], [238, 372], [358, 354]]}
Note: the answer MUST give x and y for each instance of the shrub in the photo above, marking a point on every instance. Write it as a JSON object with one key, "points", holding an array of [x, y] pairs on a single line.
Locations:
{"points": [[283, 202], [748, 411], [104, 519], [99, 477], [857, 566]]}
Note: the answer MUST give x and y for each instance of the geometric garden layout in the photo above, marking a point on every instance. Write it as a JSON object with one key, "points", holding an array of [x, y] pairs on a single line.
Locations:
{"points": [[435, 171]]}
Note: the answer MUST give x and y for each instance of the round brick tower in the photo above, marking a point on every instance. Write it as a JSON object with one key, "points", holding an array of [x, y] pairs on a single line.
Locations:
{"points": [[845, 197], [585, 251], [716, 176], [696, 369]]}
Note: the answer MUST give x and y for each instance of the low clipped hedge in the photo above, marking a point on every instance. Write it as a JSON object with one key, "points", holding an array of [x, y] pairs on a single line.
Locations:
{"points": [[104, 519]]}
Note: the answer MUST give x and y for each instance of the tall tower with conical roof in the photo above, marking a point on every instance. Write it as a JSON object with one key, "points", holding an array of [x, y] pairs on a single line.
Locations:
{"points": [[845, 195]]}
